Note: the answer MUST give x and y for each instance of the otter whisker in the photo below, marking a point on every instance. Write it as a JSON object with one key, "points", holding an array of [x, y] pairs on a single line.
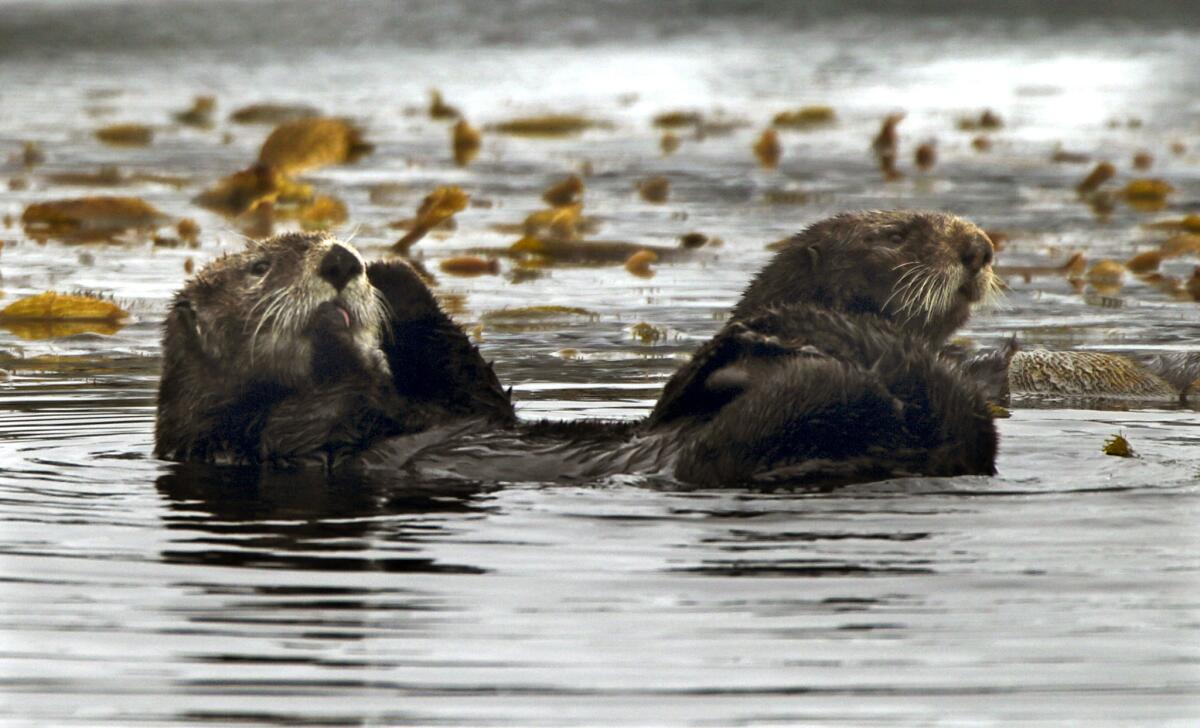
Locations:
{"points": [[245, 238], [931, 295], [270, 313], [918, 292], [279, 303], [918, 302], [267, 301], [926, 295], [993, 293], [904, 282], [942, 293]]}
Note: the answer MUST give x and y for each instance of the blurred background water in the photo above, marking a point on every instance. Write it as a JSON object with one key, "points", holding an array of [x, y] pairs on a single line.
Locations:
{"points": [[1063, 591]]}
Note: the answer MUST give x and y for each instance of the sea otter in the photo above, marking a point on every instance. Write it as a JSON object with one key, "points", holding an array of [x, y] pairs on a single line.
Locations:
{"points": [[830, 366], [294, 350], [833, 387]]}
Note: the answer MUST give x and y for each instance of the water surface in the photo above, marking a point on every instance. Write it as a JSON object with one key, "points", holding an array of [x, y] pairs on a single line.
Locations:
{"points": [[1062, 591]]}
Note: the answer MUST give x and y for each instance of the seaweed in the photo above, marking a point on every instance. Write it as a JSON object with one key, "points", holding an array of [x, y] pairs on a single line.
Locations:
{"points": [[465, 142], [1118, 446], [439, 109], [987, 120], [1101, 173], [639, 263], [200, 115], [804, 118], [767, 149], [438, 206], [925, 156], [567, 191], [470, 265], [304, 144], [884, 146], [53, 315], [655, 189], [668, 143], [272, 113], [86, 219], [548, 125], [126, 135]]}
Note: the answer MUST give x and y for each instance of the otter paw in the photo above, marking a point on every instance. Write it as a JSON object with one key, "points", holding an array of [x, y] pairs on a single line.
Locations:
{"points": [[335, 352]]}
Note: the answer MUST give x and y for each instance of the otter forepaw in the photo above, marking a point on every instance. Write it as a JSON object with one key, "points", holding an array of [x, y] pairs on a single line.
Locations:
{"points": [[336, 353]]}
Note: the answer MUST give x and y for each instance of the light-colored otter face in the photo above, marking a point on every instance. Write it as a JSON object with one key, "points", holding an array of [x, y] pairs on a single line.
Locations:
{"points": [[922, 270], [941, 263], [253, 314]]}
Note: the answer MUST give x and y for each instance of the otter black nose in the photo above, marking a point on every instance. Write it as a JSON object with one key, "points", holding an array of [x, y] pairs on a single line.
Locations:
{"points": [[977, 253], [339, 266]]}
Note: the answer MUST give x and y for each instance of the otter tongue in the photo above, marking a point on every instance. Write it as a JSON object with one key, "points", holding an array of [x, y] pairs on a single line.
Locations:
{"points": [[345, 316]]}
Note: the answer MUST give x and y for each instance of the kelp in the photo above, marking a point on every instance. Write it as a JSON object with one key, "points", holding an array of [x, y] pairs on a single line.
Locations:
{"points": [[53, 315], [86, 219]]}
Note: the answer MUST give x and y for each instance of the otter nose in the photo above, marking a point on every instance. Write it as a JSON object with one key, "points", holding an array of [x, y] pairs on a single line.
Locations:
{"points": [[340, 265], [977, 253]]}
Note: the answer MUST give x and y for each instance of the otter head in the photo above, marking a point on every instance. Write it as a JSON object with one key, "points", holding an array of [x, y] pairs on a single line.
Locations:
{"points": [[257, 314], [283, 315], [921, 270]]}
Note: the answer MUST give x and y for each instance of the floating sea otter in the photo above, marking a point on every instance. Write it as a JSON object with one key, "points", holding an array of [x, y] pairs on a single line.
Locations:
{"points": [[295, 352], [829, 366]]}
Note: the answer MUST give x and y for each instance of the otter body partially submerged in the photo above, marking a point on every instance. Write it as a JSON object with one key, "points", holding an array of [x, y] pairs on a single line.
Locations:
{"points": [[296, 352], [805, 393], [829, 369]]}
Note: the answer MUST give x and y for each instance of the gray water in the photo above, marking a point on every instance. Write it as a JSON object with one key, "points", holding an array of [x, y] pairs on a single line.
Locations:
{"points": [[1065, 590]]}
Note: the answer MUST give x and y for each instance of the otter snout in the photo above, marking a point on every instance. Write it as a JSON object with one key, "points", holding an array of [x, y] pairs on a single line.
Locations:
{"points": [[977, 253], [340, 266]]}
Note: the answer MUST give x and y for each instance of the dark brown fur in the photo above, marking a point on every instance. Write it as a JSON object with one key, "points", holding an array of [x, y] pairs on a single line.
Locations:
{"points": [[805, 393], [889, 263], [822, 376], [245, 380]]}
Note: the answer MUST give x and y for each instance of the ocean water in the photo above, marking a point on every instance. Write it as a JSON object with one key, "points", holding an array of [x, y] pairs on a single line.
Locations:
{"points": [[1063, 591]]}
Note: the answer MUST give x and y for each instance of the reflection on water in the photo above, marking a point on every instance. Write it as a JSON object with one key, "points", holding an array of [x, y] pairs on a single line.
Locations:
{"points": [[1063, 591], [298, 520]]}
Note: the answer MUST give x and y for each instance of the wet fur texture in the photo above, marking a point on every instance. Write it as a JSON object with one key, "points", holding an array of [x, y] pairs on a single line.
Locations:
{"points": [[261, 367], [801, 393], [830, 369], [827, 372], [920, 270]]}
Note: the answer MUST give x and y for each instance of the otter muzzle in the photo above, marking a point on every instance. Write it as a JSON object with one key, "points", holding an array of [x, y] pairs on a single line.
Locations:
{"points": [[339, 267]]}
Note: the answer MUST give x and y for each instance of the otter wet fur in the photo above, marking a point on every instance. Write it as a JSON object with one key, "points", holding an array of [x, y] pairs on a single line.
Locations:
{"points": [[830, 368], [921, 270], [805, 394], [295, 351], [814, 380]]}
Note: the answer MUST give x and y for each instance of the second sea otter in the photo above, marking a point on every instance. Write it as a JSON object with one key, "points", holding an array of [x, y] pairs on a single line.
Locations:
{"points": [[830, 367]]}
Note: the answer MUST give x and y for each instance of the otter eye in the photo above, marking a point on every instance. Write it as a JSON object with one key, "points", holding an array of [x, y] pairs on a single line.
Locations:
{"points": [[896, 239], [260, 267]]}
